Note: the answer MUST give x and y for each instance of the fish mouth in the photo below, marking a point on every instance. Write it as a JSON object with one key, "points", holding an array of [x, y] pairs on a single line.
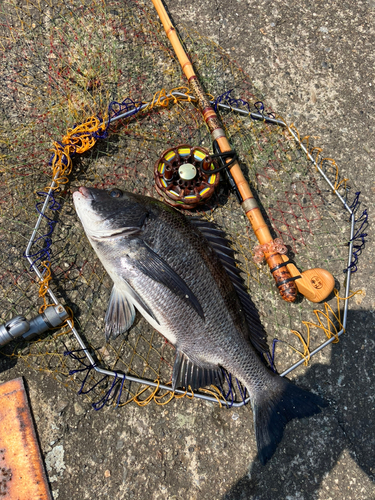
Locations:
{"points": [[85, 192], [82, 195]]}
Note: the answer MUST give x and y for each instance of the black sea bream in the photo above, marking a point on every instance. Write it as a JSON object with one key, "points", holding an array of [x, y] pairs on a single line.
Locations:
{"points": [[180, 274]]}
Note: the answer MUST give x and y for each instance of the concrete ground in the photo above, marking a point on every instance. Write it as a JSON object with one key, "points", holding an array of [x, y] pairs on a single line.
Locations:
{"points": [[314, 62]]}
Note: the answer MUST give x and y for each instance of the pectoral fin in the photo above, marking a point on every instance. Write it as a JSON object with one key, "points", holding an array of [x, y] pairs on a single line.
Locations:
{"points": [[157, 269]]}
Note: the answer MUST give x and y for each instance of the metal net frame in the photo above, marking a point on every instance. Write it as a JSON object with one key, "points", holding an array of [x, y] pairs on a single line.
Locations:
{"points": [[118, 375]]}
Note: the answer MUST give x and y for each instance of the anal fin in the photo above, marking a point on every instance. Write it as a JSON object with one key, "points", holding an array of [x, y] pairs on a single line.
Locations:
{"points": [[190, 374]]}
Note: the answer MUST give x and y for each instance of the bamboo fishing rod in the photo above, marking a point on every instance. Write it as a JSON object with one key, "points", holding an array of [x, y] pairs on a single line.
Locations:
{"points": [[315, 284], [283, 279]]}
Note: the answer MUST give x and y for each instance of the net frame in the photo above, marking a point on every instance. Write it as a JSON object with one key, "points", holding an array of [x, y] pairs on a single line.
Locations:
{"points": [[156, 384], [96, 85]]}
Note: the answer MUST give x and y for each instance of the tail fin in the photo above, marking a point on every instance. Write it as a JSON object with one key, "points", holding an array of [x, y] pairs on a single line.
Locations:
{"points": [[273, 413]]}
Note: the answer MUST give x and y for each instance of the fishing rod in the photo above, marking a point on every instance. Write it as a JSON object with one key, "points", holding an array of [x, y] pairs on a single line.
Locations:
{"points": [[317, 284]]}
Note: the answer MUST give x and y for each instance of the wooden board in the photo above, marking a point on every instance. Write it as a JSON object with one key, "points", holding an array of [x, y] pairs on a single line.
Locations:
{"points": [[22, 475]]}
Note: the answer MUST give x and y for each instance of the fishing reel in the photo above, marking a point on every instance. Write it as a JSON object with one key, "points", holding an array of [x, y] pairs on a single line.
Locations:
{"points": [[186, 176]]}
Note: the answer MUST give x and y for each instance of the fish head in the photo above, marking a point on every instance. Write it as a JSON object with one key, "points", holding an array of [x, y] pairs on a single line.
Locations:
{"points": [[109, 213]]}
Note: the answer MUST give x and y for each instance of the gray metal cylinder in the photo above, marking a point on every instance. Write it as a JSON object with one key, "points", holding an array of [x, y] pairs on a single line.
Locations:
{"points": [[19, 326], [12, 329]]}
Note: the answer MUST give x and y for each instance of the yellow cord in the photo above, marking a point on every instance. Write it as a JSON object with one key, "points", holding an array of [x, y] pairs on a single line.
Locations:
{"points": [[158, 399], [44, 284], [163, 98], [305, 345], [329, 328]]}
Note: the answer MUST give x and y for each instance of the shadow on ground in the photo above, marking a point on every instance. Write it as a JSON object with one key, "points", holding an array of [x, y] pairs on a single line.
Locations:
{"points": [[306, 456]]}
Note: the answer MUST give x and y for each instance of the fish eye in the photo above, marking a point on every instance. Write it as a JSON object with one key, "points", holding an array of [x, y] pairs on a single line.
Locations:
{"points": [[115, 193]]}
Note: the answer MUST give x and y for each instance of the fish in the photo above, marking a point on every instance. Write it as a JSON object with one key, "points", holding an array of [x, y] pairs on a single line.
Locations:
{"points": [[180, 273]]}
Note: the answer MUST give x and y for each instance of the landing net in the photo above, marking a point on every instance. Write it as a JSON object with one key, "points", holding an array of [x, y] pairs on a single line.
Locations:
{"points": [[66, 69]]}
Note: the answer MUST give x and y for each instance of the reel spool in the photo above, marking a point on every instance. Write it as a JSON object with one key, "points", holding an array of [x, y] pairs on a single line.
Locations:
{"points": [[182, 176]]}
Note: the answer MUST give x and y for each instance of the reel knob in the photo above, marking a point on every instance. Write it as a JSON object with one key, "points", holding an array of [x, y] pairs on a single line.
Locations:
{"points": [[187, 172]]}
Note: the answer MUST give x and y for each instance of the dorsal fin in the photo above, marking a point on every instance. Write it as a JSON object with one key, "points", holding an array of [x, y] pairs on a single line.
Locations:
{"points": [[217, 240]]}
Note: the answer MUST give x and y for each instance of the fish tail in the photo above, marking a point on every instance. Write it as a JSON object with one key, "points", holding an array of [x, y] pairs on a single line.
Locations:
{"points": [[273, 412]]}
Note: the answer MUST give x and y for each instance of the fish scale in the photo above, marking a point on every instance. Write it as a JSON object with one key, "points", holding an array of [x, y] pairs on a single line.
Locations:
{"points": [[181, 276], [197, 259]]}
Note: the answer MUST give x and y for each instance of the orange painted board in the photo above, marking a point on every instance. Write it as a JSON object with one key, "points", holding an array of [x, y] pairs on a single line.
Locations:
{"points": [[22, 474]]}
